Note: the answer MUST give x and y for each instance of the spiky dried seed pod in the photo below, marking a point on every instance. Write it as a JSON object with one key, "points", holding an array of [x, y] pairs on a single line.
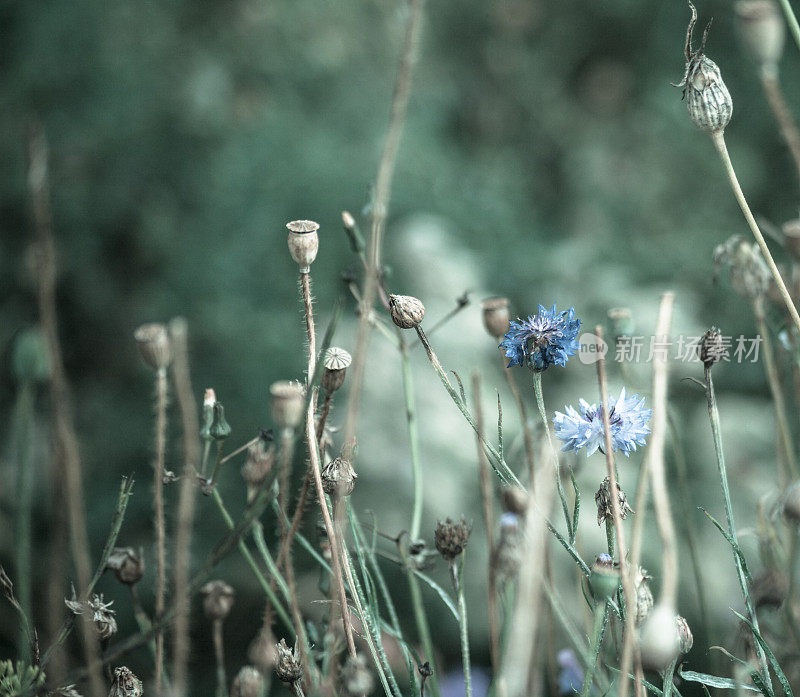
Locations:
{"points": [[288, 400], [791, 237], [102, 617], [762, 31], [125, 684], [685, 638], [154, 345], [644, 596], [604, 504], [127, 565], [217, 599], [659, 642], [515, 499], [248, 683], [303, 242], [451, 538], [287, 663], [407, 311], [256, 467], [356, 676], [336, 362], [707, 98], [711, 349], [496, 316], [338, 477]]}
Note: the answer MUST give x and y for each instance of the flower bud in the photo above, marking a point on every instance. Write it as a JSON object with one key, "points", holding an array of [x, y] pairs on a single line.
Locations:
{"points": [[154, 345], [30, 361], [287, 663], [220, 429], [791, 238], [604, 578], [338, 477], [209, 400], [621, 321], [515, 499], [685, 638], [335, 362], [659, 642], [256, 467], [604, 503], [711, 348], [496, 316], [303, 242], [288, 400], [125, 684], [762, 31], [451, 538], [357, 679], [407, 311], [217, 599], [248, 683], [127, 566]]}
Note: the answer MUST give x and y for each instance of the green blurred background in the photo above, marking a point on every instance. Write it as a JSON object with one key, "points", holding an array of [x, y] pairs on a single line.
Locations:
{"points": [[545, 157]]}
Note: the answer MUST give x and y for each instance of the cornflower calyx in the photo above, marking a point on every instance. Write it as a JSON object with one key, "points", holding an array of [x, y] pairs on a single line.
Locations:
{"points": [[451, 538], [287, 663], [542, 340]]}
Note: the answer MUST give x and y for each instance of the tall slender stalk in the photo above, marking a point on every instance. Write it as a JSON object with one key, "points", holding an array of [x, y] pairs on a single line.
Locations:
{"points": [[527, 434], [458, 586], [160, 525], [219, 659], [22, 528], [791, 20], [595, 644]]}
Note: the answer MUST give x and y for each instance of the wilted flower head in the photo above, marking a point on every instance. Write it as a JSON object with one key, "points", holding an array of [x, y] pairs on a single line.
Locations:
{"points": [[287, 663], [605, 505], [102, 615], [749, 273], [627, 418], [548, 338], [125, 684], [644, 596], [451, 537]]}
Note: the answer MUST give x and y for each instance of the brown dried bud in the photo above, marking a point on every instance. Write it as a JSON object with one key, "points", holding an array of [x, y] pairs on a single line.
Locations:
{"points": [[303, 242], [217, 599], [287, 663], [707, 98], [407, 311], [791, 503], [256, 467], [711, 348], [336, 362], [127, 566], [248, 683], [338, 477], [102, 617], [770, 588], [261, 651], [762, 31], [356, 677], [685, 638], [791, 238], [515, 500], [154, 345], [604, 504], [288, 400], [644, 596], [125, 684], [749, 273], [659, 642], [451, 538], [496, 316]]}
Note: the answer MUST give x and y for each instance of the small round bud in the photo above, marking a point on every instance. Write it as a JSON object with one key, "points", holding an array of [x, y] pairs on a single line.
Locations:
{"points": [[125, 684], [762, 31], [407, 311], [287, 663], [621, 321], [303, 242], [127, 566], [791, 238], [30, 361], [336, 362], [604, 503], [711, 349], [659, 642], [256, 467], [451, 538], [515, 500], [220, 429], [338, 477], [357, 679], [644, 596], [604, 578], [791, 503], [288, 400], [685, 638], [749, 273], [248, 683], [496, 316], [217, 599], [154, 345], [707, 98]]}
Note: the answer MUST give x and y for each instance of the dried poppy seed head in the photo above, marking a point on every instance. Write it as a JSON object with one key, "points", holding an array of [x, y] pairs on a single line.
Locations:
{"points": [[256, 467], [127, 566], [659, 642], [248, 683], [336, 362], [303, 242], [644, 596], [338, 477], [356, 677], [685, 638], [711, 349], [515, 500], [762, 31], [287, 663], [125, 684], [407, 311], [154, 345], [707, 98], [288, 400], [496, 316], [604, 503], [451, 538], [217, 599]]}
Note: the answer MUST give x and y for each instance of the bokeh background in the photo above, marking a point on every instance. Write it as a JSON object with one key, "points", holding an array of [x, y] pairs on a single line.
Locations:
{"points": [[545, 157]]}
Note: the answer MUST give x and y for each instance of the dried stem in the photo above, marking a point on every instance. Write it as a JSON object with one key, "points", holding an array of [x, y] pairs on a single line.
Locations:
{"points": [[160, 526], [458, 587], [777, 103], [527, 434], [219, 658]]}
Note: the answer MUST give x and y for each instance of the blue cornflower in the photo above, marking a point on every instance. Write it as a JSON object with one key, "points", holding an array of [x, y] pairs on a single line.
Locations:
{"points": [[628, 420], [570, 677], [548, 338]]}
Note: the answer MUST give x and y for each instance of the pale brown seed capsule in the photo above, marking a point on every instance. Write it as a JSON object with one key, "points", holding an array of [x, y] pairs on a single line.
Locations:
{"points": [[125, 684], [336, 362], [303, 242], [762, 31], [217, 599], [338, 477], [127, 566], [288, 400], [356, 677], [248, 683], [256, 467], [154, 345], [791, 238], [407, 311], [496, 316], [604, 503], [451, 538], [685, 638], [659, 642], [287, 663]]}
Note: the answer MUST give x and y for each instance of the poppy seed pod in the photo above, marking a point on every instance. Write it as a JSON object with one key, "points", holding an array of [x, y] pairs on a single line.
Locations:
{"points": [[762, 31], [336, 362], [127, 566], [496, 316], [217, 599], [303, 242], [407, 311], [248, 683], [154, 345], [288, 400]]}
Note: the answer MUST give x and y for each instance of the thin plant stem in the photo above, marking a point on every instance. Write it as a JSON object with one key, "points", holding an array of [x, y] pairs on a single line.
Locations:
{"points": [[595, 644], [142, 620], [22, 527], [791, 20], [413, 439], [777, 103], [458, 586], [160, 526], [718, 138], [668, 679], [527, 434], [219, 658]]}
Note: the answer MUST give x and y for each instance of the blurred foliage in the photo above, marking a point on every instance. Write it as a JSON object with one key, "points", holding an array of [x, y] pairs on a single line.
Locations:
{"points": [[545, 157]]}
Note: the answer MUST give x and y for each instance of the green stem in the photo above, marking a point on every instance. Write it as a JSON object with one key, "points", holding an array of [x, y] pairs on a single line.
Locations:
{"points": [[413, 439], [24, 409], [219, 657], [598, 629], [211, 483], [537, 388], [791, 20], [610, 536], [462, 625], [667, 679]]}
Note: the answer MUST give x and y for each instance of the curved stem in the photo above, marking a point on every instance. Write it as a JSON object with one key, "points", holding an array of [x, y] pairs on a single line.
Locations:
{"points": [[413, 439], [667, 681]]}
